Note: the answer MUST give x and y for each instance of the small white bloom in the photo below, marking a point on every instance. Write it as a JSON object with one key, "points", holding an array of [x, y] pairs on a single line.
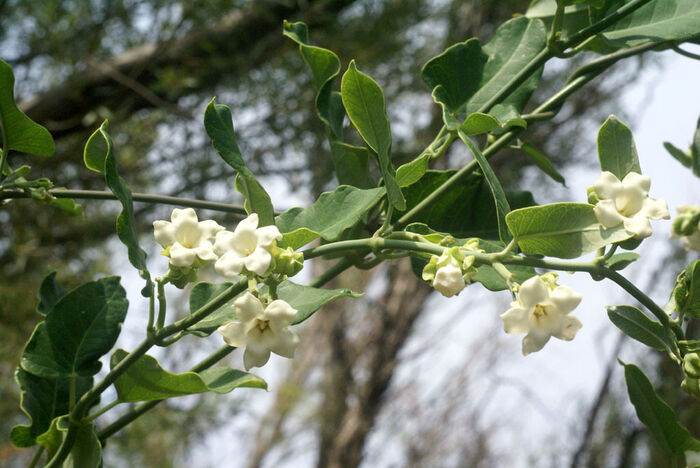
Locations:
{"points": [[626, 202], [691, 241], [692, 458], [541, 313], [261, 330], [247, 246], [449, 279], [186, 238]]}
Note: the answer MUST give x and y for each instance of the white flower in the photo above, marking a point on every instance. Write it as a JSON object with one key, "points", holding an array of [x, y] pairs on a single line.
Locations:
{"points": [[247, 246], [686, 213], [261, 330], [542, 312], [449, 279], [627, 203], [185, 238], [692, 458]]}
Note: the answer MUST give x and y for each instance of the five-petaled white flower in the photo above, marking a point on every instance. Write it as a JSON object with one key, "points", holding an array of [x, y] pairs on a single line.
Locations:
{"points": [[542, 312], [186, 238], [261, 330], [247, 246], [626, 202]]}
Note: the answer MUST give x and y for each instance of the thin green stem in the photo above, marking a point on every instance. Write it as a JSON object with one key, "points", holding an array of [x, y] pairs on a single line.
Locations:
{"points": [[162, 305], [71, 392], [37, 456], [603, 24], [138, 197], [101, 411], [685, 53], [635, 292], [555, 32]]}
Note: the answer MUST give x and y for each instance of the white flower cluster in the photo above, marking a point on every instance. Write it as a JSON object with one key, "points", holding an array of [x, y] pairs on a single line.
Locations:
{"points": [[261, 329], [542, 311], [189, 242], [627, 202]]}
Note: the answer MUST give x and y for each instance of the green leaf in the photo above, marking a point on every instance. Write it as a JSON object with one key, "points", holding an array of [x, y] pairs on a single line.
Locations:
{"points": [[411, 172], [658, 20], [542, 162], [467, 210], [656, 415], [146, 380], [83, 325], [19, 131], [50, 291], [622, 260], [680, 155], [305, 299], [515, 43], [42, 400], [327, 217], [68, 206], [455, 75], [352, 165], [86, 451], [638, 326], [218, 123], [364, 102], [53, 437], [563, 230], [99, 157], [616, 150], [490, 278], [499, 196]]}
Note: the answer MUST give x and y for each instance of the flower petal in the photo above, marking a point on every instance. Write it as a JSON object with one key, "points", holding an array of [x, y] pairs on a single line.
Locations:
{"points": [[449, 280], [248, 307], [186, 215], [286, 343], [234, 334], [280, 314], [209, 228], [565, 299], [267, 235], [534, 342], [515, 320], [181, 256], [655, 209], [205, 251], [164, 232], [532, 292], [229, 265], [607, 185], [634, 179], [255, 357], [570, 325], [259, 261], [607, 214], [638, 225], [224, 242]]}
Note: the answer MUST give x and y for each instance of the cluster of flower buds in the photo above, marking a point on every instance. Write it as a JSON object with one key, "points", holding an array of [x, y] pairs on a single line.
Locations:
{"points": [[687, 226], [626, 202], [248, 250], [453, 270], [542, 310]]}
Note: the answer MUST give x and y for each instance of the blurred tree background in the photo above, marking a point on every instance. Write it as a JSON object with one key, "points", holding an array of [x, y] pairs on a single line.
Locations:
{"points": [[150, 66]]}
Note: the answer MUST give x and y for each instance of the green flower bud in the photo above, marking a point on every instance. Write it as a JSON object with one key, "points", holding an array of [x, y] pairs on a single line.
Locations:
{"points": [[691, 365], [592, 196], [691, 386], [181, 276], [287, 261]]}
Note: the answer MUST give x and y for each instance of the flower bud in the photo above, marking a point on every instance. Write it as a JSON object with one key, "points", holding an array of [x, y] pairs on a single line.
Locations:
{"points": [[691, 365], [691, 386], [181, 276], [287, 261]]}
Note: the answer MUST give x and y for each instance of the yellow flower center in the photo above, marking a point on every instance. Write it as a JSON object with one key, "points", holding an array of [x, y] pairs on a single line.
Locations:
{"points": [[263, 324]]}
